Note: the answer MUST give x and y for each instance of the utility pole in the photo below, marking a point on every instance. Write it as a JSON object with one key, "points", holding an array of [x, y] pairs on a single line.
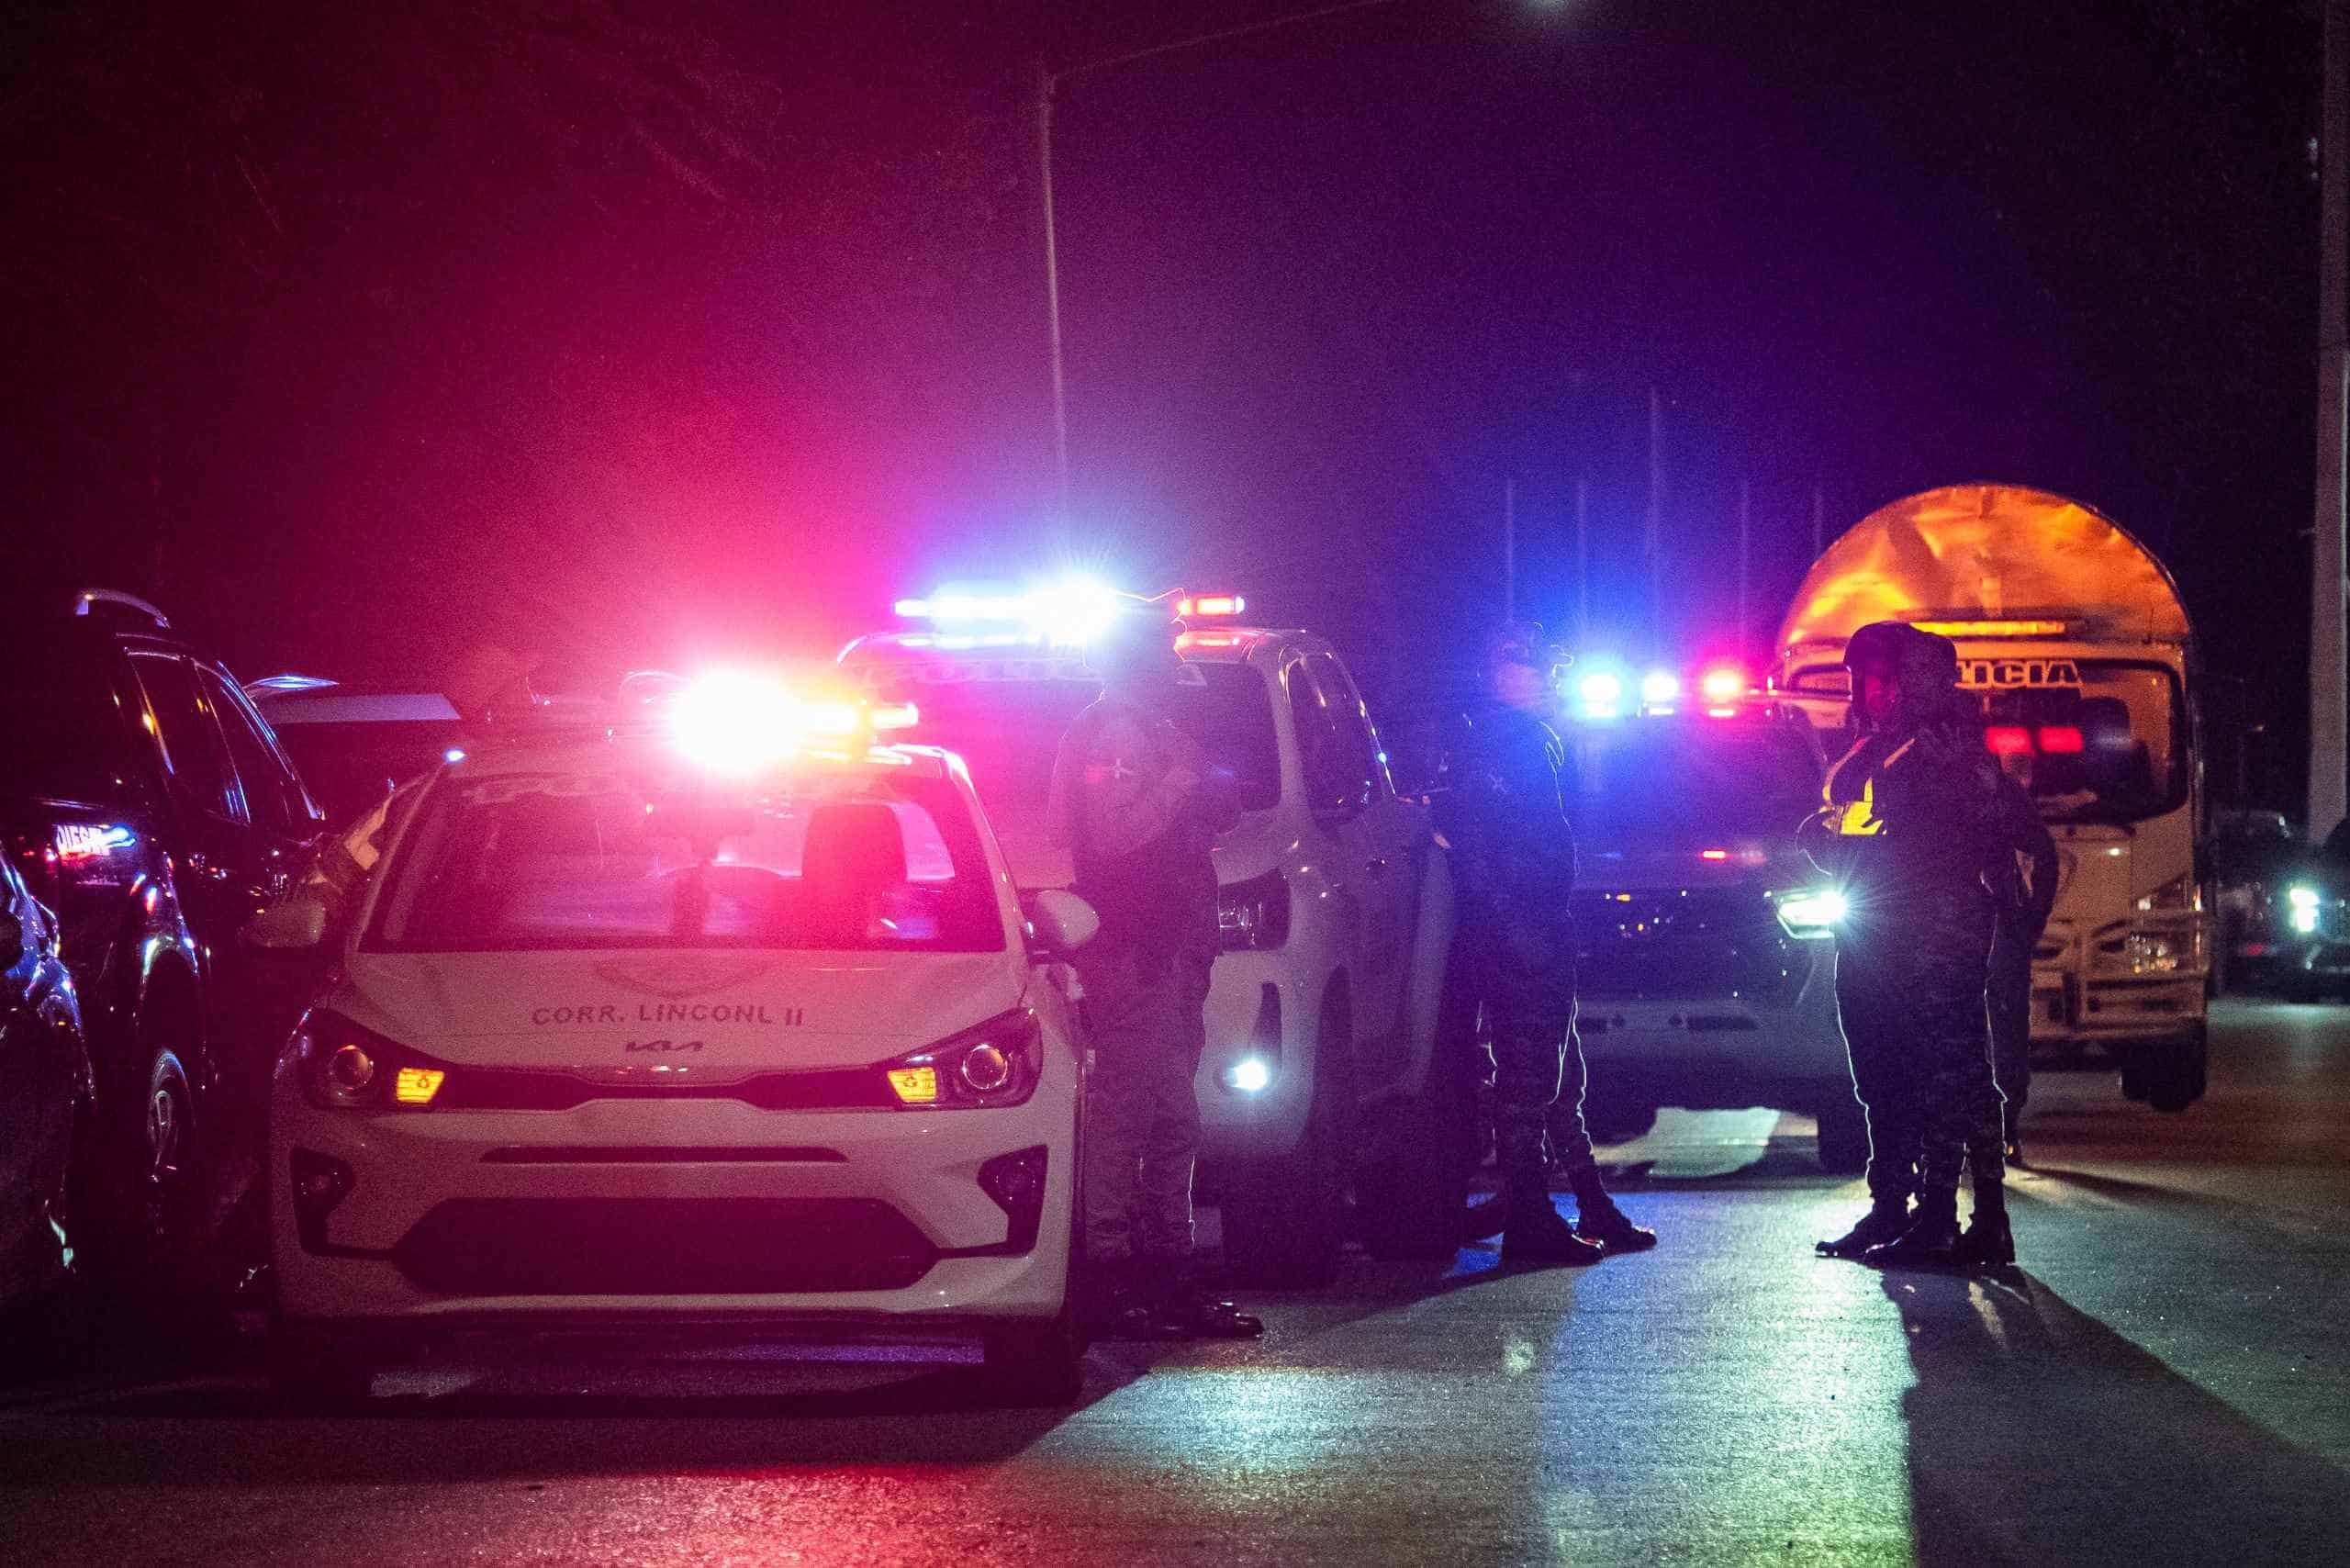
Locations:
{"points": [[1653, 532], [1045, 84], [1582, 561], [2329, 671], [1509, 549], [1745, 534]]}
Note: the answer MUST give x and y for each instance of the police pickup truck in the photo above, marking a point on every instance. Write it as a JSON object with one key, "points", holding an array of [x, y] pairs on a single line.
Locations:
{"points": [[1336, 903]]}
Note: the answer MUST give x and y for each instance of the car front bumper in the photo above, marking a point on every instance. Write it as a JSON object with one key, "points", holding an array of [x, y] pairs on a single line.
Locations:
{"points": [[703, 1211]]}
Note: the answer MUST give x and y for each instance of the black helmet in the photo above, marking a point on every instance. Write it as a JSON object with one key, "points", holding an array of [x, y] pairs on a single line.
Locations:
{"points": [[1521, 643]]}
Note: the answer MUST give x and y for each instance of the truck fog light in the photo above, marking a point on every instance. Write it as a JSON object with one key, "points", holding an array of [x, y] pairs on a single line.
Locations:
{"points": [[1249, 1075]]}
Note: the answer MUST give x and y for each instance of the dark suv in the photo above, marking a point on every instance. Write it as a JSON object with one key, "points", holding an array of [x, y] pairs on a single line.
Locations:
{"points": [[145, 802]]}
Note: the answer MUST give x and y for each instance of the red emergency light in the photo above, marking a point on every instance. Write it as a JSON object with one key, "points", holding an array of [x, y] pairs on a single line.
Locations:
{"points": [[1722, 684], [2061, 740], [2008, 740], [1209, 606]]}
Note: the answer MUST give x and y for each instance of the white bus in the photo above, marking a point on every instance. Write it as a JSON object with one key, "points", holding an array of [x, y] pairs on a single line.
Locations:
{"points": [[2077, 640]]}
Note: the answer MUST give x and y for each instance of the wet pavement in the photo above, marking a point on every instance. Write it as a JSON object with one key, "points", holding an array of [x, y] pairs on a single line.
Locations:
{"points": [[2164, 1379]]}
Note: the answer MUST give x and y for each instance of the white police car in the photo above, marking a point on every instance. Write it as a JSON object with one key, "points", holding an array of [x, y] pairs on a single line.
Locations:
{"points": [[1335, 903], [721, 1021]]}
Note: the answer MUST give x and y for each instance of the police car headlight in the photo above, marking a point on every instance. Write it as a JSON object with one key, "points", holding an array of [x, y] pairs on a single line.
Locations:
{"points": [[997, 1063], [341, 1067], [2301, 904], [1811, 913]]}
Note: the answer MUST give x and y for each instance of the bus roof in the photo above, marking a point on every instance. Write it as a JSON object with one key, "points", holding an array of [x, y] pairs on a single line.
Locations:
{"points": [[2000, 554]]}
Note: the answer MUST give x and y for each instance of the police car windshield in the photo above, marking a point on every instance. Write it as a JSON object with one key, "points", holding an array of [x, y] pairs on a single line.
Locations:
{"points": [[1008, 731], [651, 857], [1698, 784]]}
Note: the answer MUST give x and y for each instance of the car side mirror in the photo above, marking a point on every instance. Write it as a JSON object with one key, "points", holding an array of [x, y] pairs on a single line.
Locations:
{"points": [[1061, 922], [298, 924]]}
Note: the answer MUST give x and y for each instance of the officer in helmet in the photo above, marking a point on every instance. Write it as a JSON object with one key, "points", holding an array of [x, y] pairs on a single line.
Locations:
{"points": [[1908, 828], [1139, 807], [1512, 867]]}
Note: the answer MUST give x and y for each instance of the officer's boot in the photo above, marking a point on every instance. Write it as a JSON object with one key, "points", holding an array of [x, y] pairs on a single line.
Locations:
{"points": [[1536, 1235], [1931, 1240], [1888, 1218], [1188, 1310], [1598, 1219], [1119, 1305], [1989, 1243]]}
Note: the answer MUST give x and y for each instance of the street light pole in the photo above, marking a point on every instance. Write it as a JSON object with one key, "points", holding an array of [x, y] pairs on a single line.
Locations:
{"points": [[2329, 658], [1048, 83], [1045, 84]]}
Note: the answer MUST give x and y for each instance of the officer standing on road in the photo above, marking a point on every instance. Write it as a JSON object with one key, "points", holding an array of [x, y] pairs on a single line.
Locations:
{"points": [[2023, 880], [1514, 865], [1906, 827], [1140, 808]]}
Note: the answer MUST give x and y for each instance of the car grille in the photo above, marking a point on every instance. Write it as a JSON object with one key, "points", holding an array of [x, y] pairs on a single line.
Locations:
{"points": [[663, 1247], [1681, 945], [517, 1089]]}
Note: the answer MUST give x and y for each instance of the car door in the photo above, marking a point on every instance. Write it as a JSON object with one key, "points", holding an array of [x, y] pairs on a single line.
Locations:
{"points": [[1347, 784]]}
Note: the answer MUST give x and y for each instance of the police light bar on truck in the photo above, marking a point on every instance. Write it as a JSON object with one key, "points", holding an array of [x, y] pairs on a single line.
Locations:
{"points": [[1068, 611], [1602, 688]]}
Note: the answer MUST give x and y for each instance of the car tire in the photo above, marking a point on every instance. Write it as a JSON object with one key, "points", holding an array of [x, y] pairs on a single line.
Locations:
{"points": [[1411, 1201], [1843, 1133], [144, 1203], [311, 1373], [1284, 1218]]}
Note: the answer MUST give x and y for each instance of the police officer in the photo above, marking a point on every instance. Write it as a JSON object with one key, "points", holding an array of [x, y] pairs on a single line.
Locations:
{"points": [[1907, 828], [1139, 809], [1513, 864], [2023, 880]]}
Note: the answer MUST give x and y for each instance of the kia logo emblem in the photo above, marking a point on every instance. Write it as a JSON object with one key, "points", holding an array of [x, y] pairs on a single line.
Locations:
{"points": [[670, 1046]]}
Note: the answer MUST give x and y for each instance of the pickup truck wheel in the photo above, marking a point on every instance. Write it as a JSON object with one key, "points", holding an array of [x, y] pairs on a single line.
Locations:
{"points": [[1411, 1202], [1284, 1218]]}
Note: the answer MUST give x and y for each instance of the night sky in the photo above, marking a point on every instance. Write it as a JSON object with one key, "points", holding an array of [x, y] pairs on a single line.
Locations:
{"points": [[644, 333]]}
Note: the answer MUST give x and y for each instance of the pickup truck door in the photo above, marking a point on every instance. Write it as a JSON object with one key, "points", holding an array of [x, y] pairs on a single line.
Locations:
{"points": [[1355, 803]]}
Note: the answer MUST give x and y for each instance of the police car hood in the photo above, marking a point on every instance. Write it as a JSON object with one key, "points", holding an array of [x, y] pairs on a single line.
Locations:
{"points": [[758, 1010]]}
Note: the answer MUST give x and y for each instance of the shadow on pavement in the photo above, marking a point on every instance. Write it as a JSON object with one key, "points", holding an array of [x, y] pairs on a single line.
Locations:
{"points": [[2037, 1435], [221, 1433]]}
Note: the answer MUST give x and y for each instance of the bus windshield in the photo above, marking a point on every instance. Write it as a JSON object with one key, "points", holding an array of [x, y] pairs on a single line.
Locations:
{"points": [[2110, 749]]}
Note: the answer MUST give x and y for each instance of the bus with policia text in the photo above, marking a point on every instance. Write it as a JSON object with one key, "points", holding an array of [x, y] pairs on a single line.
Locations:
{"points": [[2075, 639]]}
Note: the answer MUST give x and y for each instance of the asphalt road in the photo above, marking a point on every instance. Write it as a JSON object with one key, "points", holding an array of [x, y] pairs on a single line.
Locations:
{"points": [[2167, 1380]]}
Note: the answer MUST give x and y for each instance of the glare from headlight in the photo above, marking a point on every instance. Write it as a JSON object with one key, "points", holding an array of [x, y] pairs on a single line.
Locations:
{"points": [[1249, 1075], [2304, 902], [1813, 913]]}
